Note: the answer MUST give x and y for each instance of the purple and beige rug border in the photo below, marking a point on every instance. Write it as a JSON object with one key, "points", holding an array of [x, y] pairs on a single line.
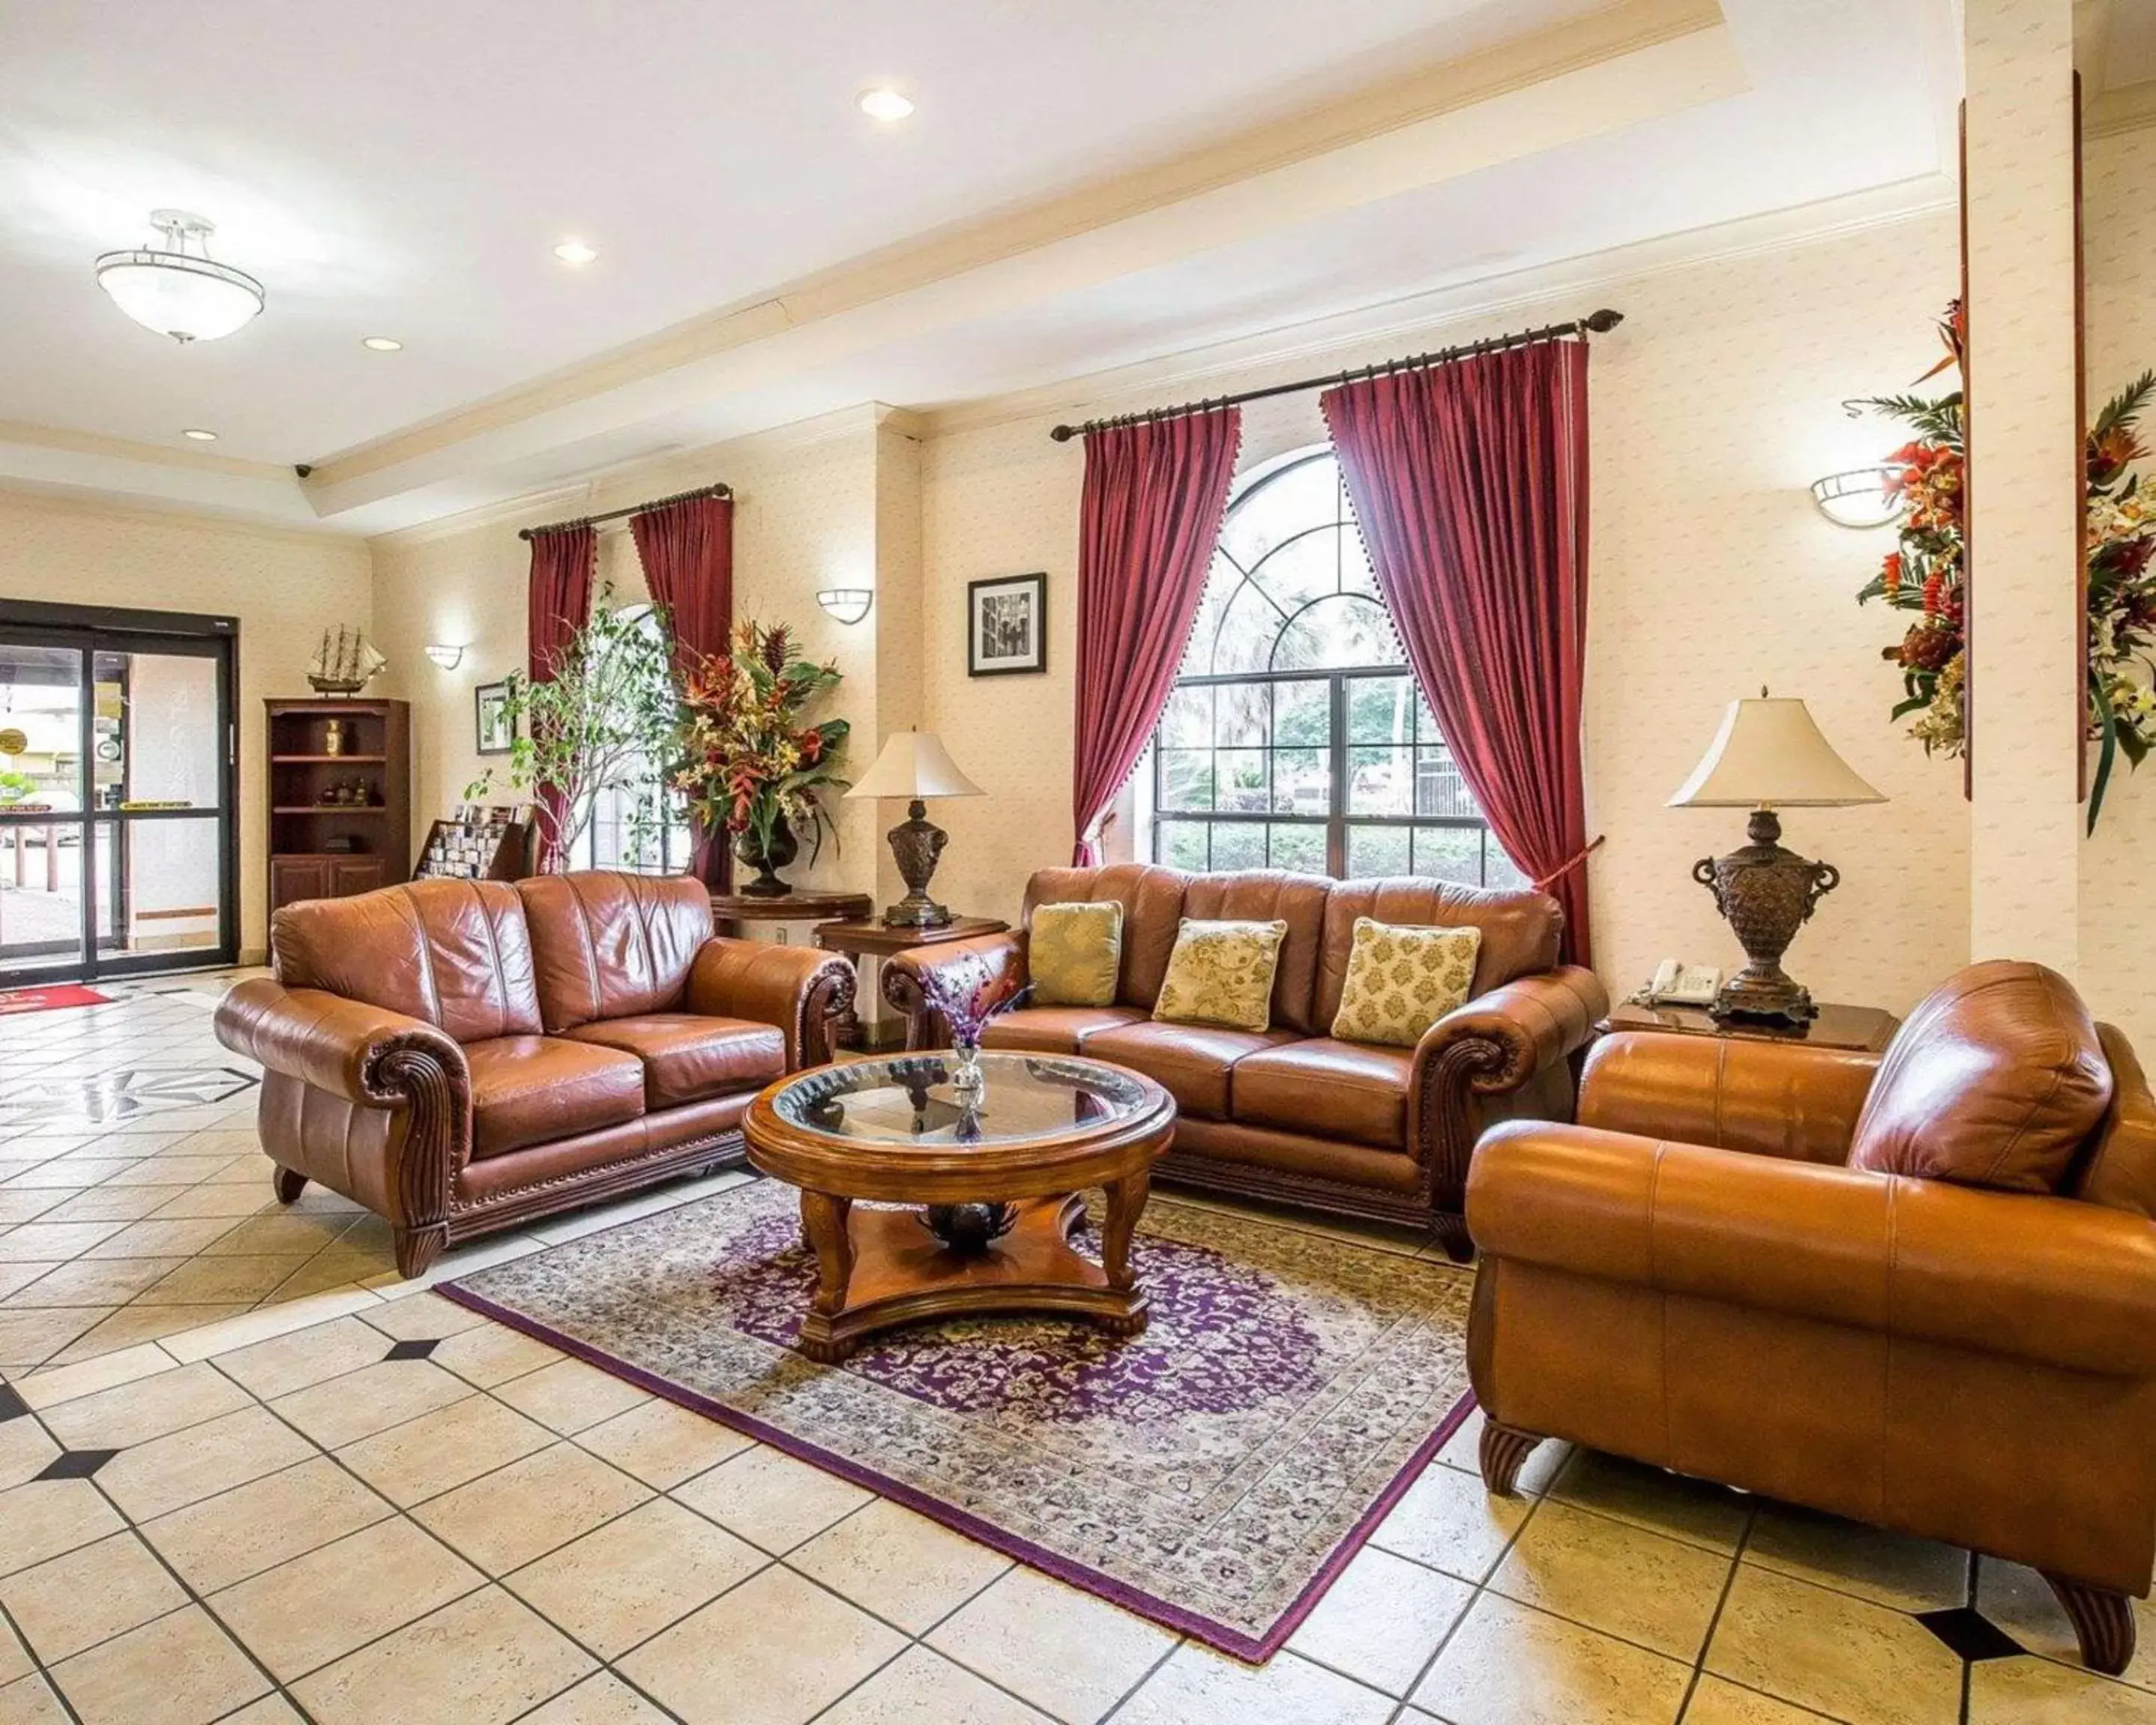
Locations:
{"points": [[1253, 1649]]}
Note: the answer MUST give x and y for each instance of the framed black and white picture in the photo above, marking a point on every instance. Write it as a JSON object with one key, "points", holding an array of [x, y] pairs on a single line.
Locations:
{"points": [[1007, 625], [497, 729]]}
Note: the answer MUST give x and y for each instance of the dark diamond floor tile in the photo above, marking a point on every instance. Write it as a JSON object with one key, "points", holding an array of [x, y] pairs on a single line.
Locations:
{"points": [[412, 1350], [76, 1464], [12, 1405], [1971, 1633]]}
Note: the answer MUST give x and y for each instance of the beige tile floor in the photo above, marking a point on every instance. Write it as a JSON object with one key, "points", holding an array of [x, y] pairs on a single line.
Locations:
{"points": [[364, 1503]]}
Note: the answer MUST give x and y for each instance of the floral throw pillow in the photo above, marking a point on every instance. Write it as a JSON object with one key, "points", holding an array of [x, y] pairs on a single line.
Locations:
{"points": [[1074, 953], [1401, 981], [1221, 974]]}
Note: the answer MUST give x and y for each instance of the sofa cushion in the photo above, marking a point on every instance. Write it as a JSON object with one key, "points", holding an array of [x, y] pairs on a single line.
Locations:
{"points": [[1263, 895], [526, 1090], [1222, 973], [1192, 1062], [1401, 981], [1056, 1029], [1074, 953], [1997, 1080], [687, 1056], [610, 945], [453, 954], [1520, 929], [1151, 898], [1328, 1089]]}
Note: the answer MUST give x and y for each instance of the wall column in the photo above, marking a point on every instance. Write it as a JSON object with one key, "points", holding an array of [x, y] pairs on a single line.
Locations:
{"points": [[2024, 440]]}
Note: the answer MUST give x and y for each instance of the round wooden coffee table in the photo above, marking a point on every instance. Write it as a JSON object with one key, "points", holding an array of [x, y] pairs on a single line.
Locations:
{"points": [[1042, 1130]]}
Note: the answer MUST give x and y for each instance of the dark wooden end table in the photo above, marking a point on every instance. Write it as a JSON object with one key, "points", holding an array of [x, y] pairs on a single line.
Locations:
{"points": [[730, 910], [1042, 1130], [1865, 1029], [871, 937]]}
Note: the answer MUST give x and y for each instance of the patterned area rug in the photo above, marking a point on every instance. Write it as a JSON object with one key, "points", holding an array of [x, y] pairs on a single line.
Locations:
{"points": [[1215, 1473]]}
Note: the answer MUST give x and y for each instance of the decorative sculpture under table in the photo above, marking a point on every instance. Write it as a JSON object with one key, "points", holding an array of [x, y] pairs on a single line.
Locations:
{"points": [[993, 1182]]}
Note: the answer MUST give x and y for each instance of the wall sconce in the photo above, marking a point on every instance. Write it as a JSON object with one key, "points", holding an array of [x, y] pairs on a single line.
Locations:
{"points": [[848, 604], [1863, 497], [448, 658]]}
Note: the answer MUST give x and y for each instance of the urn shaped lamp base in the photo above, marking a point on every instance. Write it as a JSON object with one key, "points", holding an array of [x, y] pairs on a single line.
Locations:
{"points": [[916, 844], [1767, 893]]}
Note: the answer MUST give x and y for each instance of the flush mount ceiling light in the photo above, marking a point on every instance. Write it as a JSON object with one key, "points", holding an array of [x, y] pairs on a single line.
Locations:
{"points": [[199, 435], [575, 252], [381, 344], [848, 604], [882, 102], [1863, 497], [176, 287]]}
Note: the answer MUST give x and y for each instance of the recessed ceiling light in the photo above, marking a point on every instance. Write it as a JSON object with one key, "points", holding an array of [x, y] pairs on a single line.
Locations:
{"points": [[885, 103], [381, 344], [575, 251], [199, 435]]}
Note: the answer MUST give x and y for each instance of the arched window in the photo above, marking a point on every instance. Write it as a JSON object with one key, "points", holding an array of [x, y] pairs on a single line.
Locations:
{"points": [[1295, 738]]}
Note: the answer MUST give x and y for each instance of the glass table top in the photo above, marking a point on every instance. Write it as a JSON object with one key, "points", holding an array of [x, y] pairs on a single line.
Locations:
{"points": [[909, 1099]]}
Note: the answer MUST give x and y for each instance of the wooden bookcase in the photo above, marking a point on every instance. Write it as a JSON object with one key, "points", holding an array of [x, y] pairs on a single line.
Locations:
{"points": [[322, 846]]}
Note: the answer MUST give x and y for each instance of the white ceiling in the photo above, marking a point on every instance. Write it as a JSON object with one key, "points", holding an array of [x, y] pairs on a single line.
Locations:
{"points": [[404, 168]]}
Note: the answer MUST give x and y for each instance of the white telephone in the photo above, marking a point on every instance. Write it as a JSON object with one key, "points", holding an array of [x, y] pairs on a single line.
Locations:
{"points": [[1676, 984]]}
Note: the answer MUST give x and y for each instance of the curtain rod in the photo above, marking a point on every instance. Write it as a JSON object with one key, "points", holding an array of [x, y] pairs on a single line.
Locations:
{"points": [[720, 490], [1600, 322]]}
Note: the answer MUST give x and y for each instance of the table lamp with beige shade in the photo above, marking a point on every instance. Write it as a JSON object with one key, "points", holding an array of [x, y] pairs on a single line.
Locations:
{"points": [[914, 764], [1769, 755]]}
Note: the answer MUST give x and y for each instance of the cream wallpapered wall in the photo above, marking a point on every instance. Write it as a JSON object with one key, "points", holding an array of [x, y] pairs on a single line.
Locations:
{"points": [[2119, 251], [805, 517], [1712, 408], [284, 587]]}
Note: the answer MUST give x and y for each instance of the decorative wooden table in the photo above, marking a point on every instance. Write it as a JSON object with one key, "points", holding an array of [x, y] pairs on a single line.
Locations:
{"points": [[730, 910], [1865, 1029], [1042, 1130]]}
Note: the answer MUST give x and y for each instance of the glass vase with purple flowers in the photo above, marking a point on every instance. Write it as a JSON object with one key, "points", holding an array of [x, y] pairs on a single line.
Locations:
{"points": [[969, 995]]}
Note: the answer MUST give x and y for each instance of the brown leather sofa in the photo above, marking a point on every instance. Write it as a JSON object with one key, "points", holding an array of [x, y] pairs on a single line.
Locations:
{"points": [[463, 1055], [1917, 1289], [1290, 1113]]}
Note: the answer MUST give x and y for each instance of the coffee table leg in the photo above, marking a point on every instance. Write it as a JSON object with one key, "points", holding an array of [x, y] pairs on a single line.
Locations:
{"points": [[1127, 1202], [823, 1220]]}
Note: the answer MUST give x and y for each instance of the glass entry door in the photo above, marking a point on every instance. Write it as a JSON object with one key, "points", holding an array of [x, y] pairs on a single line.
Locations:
{"points": [[117, 768]]}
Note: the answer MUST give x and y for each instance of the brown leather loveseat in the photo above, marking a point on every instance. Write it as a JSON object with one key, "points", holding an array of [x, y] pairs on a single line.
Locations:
{"points": [[1290, 1112], [463, 1055], [1916, 1289]]}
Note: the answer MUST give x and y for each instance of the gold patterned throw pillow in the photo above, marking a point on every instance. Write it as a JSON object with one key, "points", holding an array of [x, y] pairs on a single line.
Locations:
{"points": [[1221, 974], [1074, 953], [1401, 981]]}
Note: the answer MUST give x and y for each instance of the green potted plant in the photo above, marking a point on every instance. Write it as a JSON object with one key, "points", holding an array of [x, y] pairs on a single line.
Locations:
{"points": [[749, 762]]}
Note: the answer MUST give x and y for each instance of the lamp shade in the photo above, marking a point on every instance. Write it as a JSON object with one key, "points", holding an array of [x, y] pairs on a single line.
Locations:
{"points": [[914, 764], [1769, 753]]}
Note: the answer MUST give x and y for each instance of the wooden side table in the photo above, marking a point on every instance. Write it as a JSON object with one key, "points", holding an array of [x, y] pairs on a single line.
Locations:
{"points": [[1865, 1029], [730, 910], [865, 937]]}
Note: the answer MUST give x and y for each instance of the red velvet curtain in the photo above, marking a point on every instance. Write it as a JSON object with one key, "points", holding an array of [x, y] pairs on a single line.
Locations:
{"points": [[687, 550], [563, 562], [1155, 494], [1470, 485]]}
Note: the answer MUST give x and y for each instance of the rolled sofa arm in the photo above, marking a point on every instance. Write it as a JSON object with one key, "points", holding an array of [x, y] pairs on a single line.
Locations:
{"points": [[801, 990], [1785, 1099], [361, 1054], [2053, 1279], [1484, 1058], [906, 975]]}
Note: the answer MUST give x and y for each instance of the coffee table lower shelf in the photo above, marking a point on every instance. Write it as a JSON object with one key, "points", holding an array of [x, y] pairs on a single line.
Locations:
{"points": [[878, 1269]]}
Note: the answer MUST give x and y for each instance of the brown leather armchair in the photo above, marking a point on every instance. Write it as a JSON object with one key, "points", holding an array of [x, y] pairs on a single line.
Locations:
{"points": [[1291, 1112], [1917, 1289], [461, 1056]]}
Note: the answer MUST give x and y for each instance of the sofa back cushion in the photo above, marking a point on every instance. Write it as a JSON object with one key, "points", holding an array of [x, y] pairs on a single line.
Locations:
{"points": [[1151, 898], [454, 954], [1997, 1080], [609, 945], [1520, 929], [1264, 896]]}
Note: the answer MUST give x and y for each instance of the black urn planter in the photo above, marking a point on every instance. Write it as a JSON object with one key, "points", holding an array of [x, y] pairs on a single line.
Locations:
{"points": [[767, 861]]}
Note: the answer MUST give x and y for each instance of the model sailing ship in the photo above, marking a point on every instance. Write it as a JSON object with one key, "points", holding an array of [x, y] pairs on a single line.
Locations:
{"points": [[344, 664]]}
